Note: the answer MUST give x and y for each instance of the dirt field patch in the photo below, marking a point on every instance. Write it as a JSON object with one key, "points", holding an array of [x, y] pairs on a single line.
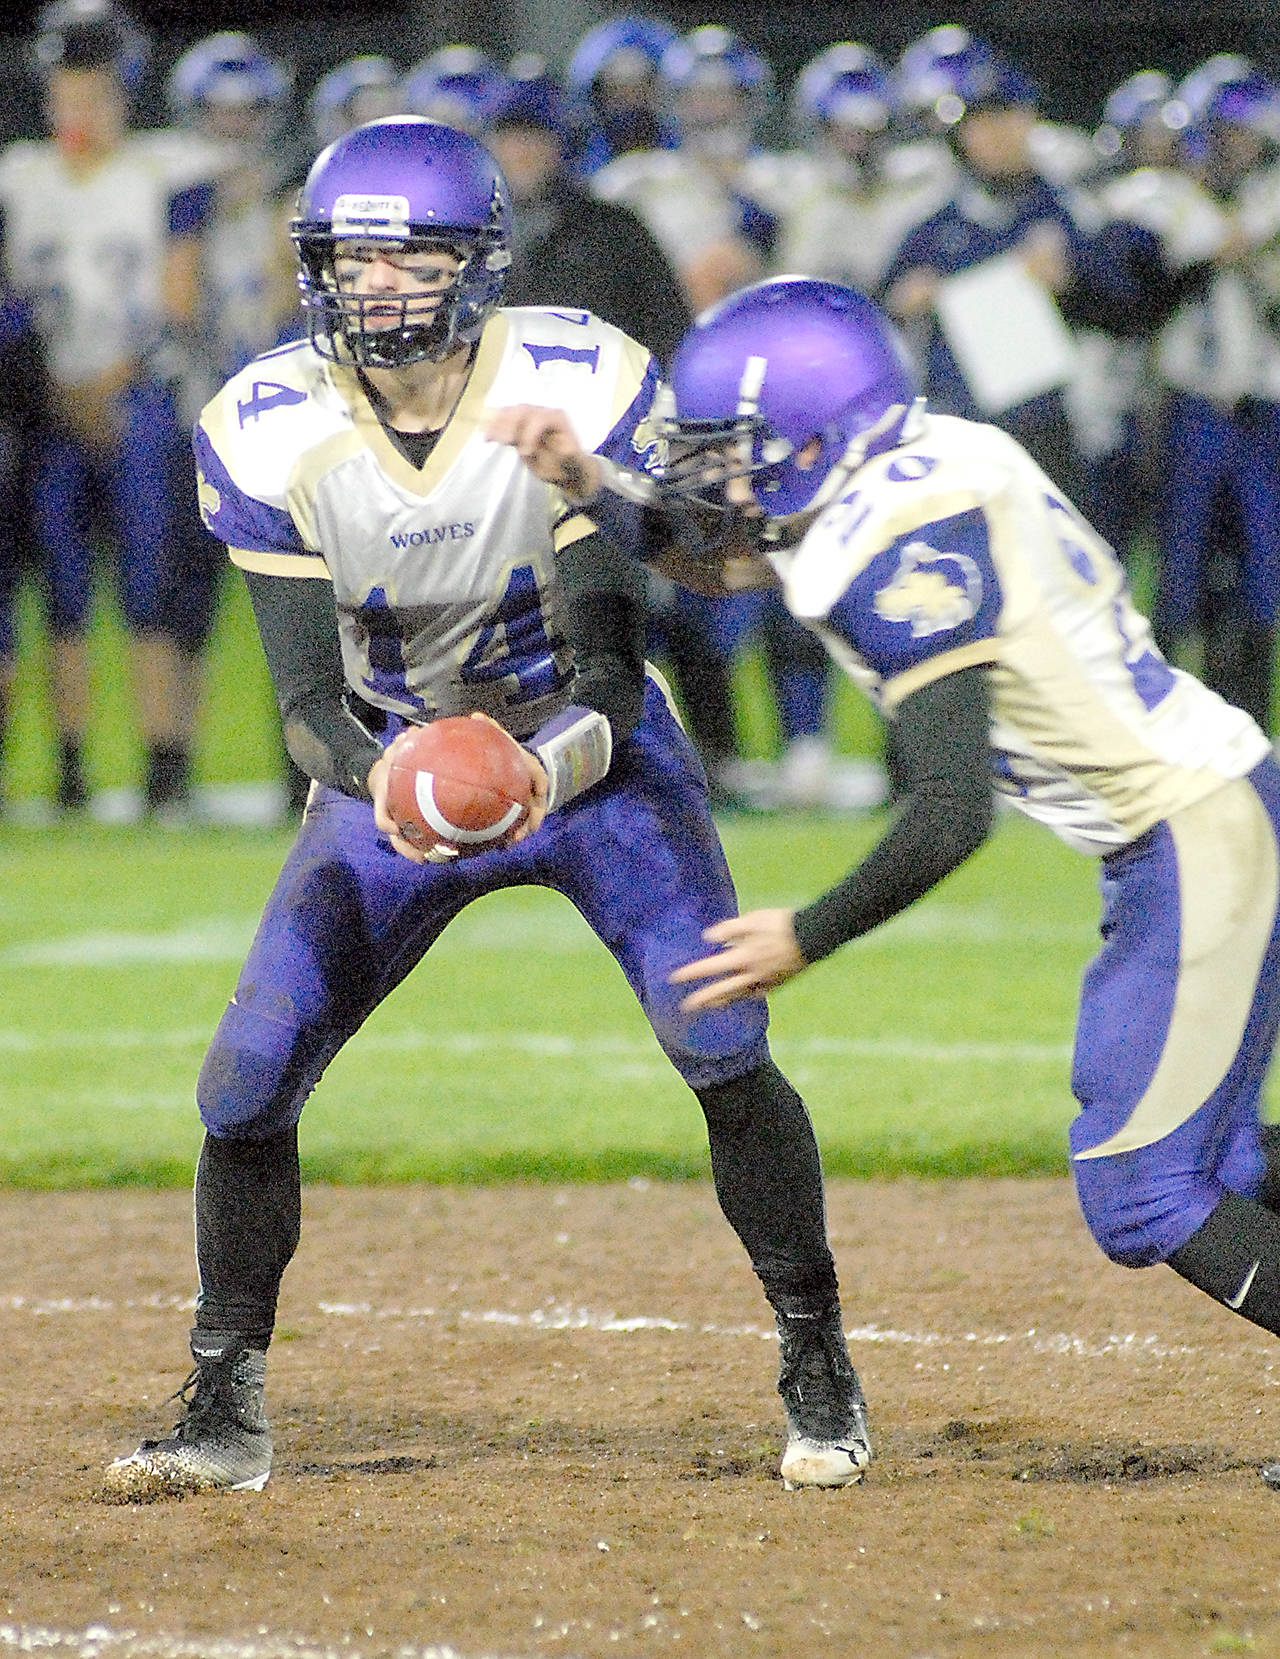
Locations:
{"points": [[534, 1421]]}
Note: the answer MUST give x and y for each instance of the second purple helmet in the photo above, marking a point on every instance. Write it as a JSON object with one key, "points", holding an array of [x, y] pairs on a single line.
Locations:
{"points": [[772, 370]]}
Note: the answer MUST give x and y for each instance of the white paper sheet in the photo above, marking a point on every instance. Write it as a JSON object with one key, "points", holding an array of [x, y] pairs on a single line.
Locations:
{"points": [[1006, 333]]}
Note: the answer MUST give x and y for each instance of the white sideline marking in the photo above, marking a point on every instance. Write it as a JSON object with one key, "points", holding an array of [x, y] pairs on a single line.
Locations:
{"points": [[99, 1641], [557, 1045], [553, 931], [557, 1316]]}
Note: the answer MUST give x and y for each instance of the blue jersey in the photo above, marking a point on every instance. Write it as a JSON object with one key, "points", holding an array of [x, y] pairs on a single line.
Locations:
{"points": [[971, 229]]}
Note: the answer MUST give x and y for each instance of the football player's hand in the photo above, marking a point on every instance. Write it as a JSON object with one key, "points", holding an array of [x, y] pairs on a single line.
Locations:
{"points": [[758, 952], [913, 294], [539, 786], [376, 783], [1044, 256], [547, 444]]}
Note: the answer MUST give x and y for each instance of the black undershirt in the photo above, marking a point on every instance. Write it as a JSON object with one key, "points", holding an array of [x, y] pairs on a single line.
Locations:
{"points": [[941, 733]]}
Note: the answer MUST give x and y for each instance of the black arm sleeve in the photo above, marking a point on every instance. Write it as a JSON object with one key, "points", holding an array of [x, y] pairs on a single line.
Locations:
{"points": [[941, 732], [606, 621], [299, 633]]}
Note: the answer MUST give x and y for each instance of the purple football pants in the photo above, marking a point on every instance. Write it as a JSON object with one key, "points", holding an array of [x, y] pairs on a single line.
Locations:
{"points": [[1178, 1020]]}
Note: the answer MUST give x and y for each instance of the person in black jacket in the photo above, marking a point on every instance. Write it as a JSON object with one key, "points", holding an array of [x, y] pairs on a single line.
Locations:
{"points": [[570, 246]]}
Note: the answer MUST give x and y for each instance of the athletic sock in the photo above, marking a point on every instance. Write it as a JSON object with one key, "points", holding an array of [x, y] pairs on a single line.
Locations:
{"points": [[1235, 1258], [248, 1219], [72, 794], [768, 1178], [168, 774]]}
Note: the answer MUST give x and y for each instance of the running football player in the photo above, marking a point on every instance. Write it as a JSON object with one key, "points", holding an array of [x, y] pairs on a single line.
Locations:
{"points": [[952, 578], [404, 565]]}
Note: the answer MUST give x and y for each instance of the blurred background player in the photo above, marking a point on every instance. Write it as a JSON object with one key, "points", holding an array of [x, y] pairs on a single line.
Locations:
{"points": [[693, 196], [571, 247], [1219, 357], [987, 108], [229, 93], [613, 77], [870, 181], [23, 420], [1113, 399], [458, 84], [566, 241], [102, 227], [359, 89]]}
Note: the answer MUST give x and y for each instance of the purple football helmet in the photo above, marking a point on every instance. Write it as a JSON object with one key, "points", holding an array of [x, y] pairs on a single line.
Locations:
{"points": [[417, 184], [768, 371]]}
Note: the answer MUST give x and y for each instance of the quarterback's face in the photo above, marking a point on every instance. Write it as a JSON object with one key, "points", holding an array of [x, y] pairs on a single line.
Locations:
{"points": [[409, 281]]}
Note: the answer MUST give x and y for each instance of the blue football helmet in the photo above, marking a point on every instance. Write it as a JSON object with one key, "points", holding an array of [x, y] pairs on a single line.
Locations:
{"points": [[458, 85], [627, 48], [227, 71], [766, 373], [418, 184], [845, 85], [1140, 102], [532, 96], [1226, 90], [948, 72], [91, 34], [357, 90]]}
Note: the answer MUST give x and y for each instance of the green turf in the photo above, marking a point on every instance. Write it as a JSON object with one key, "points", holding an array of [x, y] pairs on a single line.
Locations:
{"points": [[939, 1046]]}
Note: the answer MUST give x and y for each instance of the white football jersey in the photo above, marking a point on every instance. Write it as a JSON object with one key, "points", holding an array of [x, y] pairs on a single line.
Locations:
{"points": [[955, 550], [90, 247], [444, 576]]}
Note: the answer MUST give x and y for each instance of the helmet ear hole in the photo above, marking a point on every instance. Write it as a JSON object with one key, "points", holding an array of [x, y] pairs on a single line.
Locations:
{"points": [[807, 453]]}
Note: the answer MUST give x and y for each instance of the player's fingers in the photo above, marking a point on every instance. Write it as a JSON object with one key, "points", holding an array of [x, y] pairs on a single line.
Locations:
{"points": [[732, 927], [406, 849], [721, 992], [708, 967]]}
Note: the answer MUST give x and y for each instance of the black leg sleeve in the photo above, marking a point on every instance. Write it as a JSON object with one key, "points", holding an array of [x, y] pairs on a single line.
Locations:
{"points": [[1235, 1258], [768, 1177], [248, 1218]]}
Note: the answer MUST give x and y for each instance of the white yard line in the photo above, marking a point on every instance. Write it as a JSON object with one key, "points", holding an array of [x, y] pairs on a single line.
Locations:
{"points": [[555, 1045], [551, 929], [555, 1316], [101, 1642]]}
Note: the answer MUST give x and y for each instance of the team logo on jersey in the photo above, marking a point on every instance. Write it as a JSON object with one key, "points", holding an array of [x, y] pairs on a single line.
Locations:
{"points": [[932, 591], [209, 497]]}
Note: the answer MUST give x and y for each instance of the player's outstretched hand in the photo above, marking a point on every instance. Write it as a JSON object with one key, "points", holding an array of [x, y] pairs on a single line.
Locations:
{"points": [[545, 441], [758, 952]]}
